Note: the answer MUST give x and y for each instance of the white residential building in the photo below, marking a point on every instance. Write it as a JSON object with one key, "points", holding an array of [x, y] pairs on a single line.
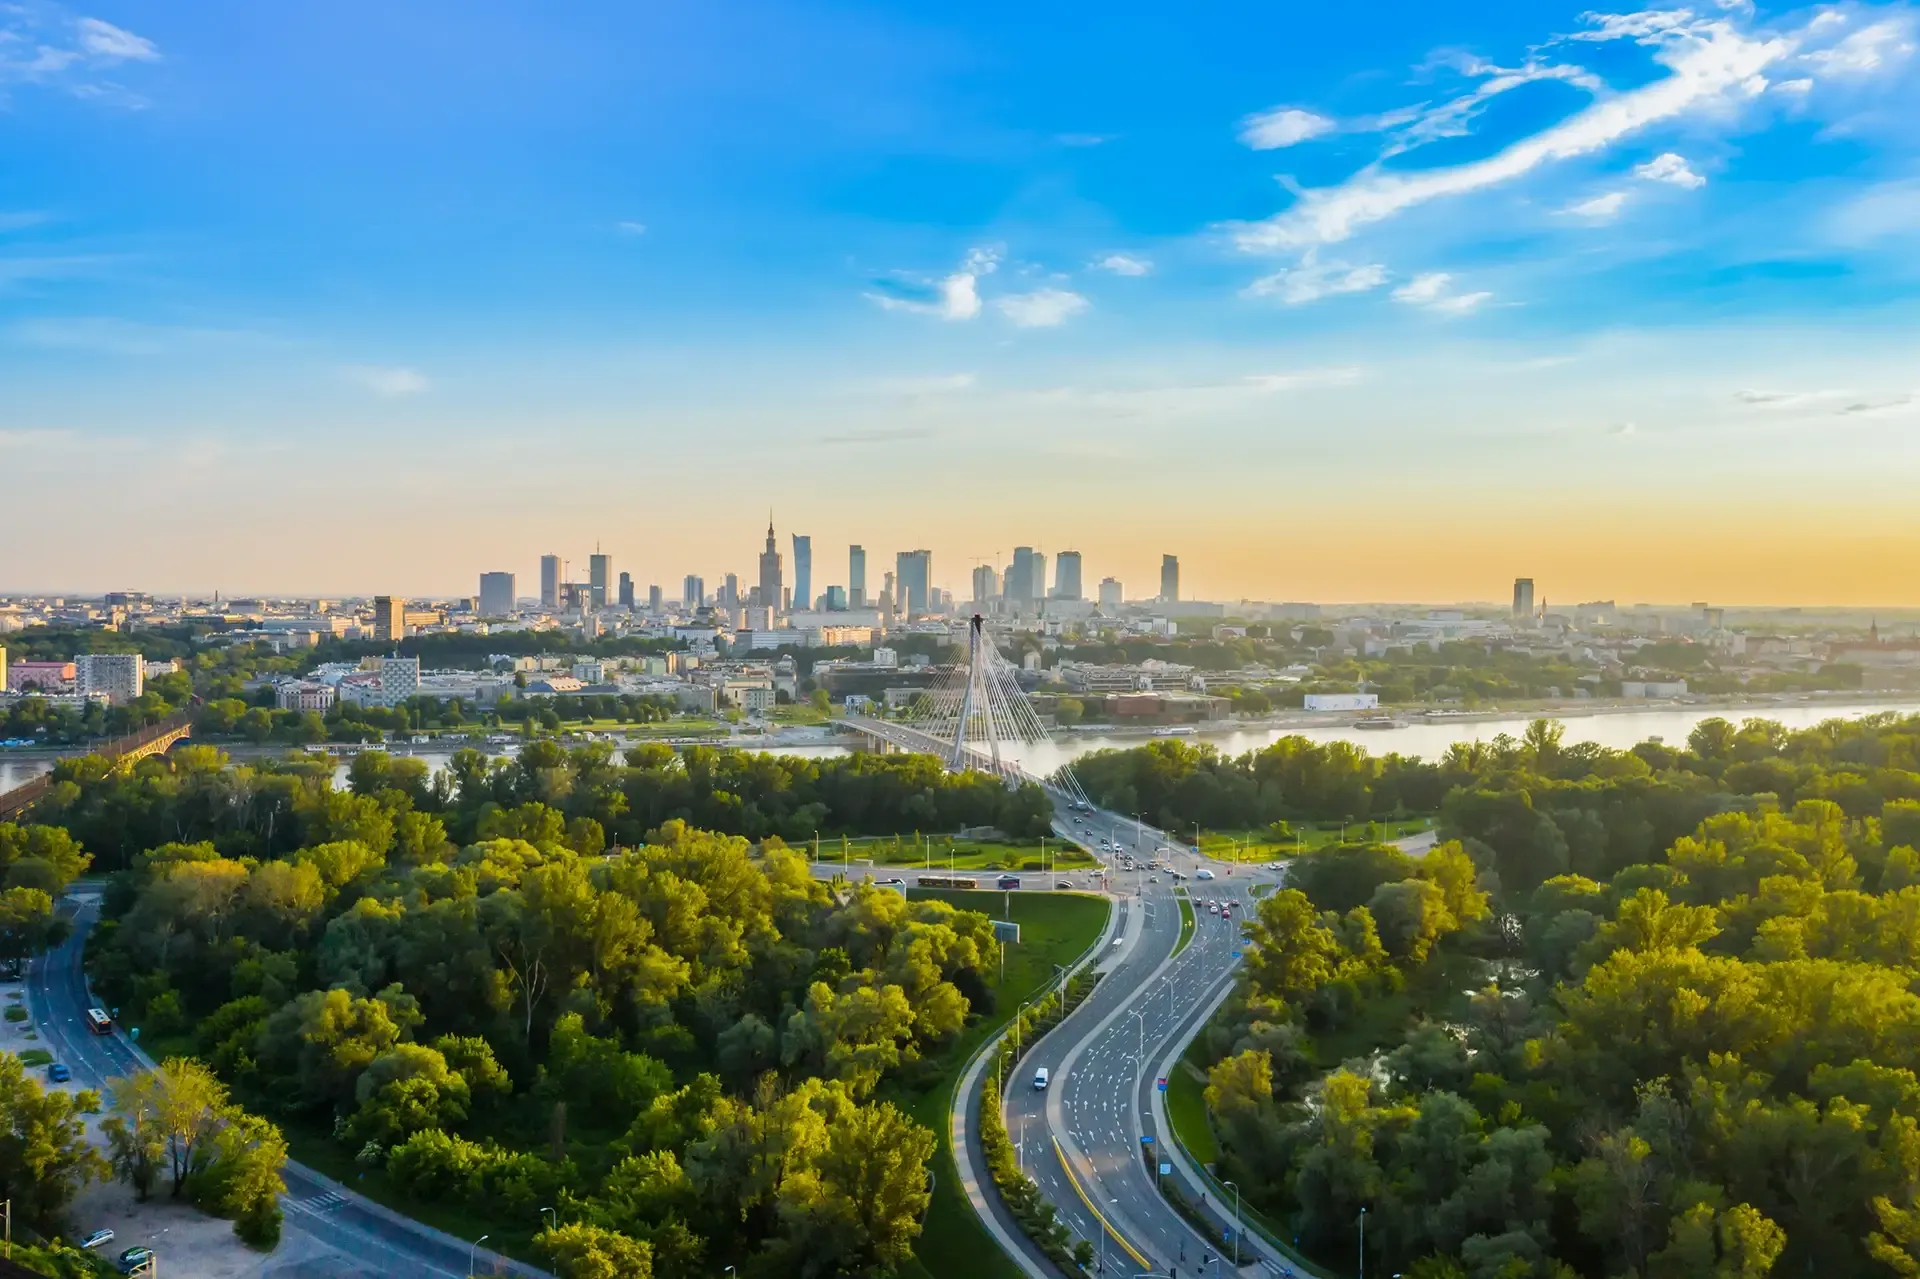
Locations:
{"points": [[121, 676]]}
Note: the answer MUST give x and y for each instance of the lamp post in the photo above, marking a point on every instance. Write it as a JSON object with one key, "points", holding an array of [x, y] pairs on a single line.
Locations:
{"points": [[553, 1218], [1237, 1227], [1141, 1018], [473, 1252], [1363, 1242]]}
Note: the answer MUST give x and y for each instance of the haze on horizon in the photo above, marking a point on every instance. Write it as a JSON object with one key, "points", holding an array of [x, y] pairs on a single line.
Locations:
{"points": [[1392, 306]]}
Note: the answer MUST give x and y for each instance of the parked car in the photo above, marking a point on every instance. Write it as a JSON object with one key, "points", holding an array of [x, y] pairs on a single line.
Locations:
{"points": [[134, 1258], [97, 1239], [59, 1073]]}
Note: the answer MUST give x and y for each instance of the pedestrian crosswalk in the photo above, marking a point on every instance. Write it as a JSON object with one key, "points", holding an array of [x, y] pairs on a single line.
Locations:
{"points": [[320, 1205]]}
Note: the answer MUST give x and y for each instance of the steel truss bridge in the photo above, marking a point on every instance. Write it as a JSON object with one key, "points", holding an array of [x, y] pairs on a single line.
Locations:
{"points": [[974, 709], [154, 739]]}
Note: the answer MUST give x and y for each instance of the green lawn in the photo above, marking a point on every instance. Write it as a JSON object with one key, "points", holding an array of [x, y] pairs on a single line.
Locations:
{"points": [[940, 853], [1053, 930], [1187, 1111], [1260, 846], [1186, 923]]}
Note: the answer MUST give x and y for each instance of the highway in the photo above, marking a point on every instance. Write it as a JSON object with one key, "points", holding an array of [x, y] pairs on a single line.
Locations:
{"points": [[364, 1238]]}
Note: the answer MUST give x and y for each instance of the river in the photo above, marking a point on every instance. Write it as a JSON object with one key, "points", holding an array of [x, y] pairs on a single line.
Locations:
{"points": [[1617, 729]]}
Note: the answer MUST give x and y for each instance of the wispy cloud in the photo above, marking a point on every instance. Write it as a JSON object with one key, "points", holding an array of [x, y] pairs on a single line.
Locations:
{"points": [[1314, 279], [41, 44], [1084, 139], [1600, 208], [1282, 127], [1300, 379], [1433, 291], [387, 380], [1042, 308], [15, 271], [1124, 264], [109, 43], [630, 228], [933, 384], [1887, 211], [882, 435], [21, 219], [1672, 168], [1709, 61], [1872, 48], [955, 297]]}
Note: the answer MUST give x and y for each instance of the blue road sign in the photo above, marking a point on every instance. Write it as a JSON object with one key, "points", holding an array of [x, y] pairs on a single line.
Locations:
{"points": [[1166, 1169], [1162, 1084], [1236, 954], [1146, 1140]]}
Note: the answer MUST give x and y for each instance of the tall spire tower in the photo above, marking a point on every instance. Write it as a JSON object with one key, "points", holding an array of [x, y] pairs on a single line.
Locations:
{"points": [[770, 570]]}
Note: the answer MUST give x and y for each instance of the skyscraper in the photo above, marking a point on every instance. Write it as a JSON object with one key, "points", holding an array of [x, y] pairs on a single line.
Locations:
{"points": [[1169, 578], [1022, 583], [496, 594], [916, 576], [550, 582], [1110, 593], [986, 584], [856, 577], [599, 577], [626, 590], [693, 591], [655, 599], [771, 586], [389, 618], [1066, 576], [1523, 597], [802, 571], [730, 591]]}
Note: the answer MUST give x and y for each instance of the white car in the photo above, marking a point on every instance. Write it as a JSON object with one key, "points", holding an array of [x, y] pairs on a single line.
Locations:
{"points": [[1203, 873]]}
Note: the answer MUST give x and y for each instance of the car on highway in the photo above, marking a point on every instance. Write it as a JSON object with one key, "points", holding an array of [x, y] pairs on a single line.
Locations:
{"points": [[1153, 879], [1040, 1079], [59, 1073], [134, 1258], [893, 883], [97, 1239], [1063, 884], [1006, 882], [1203, 873]]}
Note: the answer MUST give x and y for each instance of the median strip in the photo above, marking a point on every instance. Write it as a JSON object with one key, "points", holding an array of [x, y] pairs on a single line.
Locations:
{"points": [[1097, 1216]]}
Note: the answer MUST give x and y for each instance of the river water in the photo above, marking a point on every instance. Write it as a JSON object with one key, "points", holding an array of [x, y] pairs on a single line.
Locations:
{"points": [[1427, 740]]}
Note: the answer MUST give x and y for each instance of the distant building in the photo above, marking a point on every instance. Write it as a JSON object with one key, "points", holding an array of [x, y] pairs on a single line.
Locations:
{"points": [[120, 676], [1169, 578], [626, 590], [771, 577], [1342, 701], [3, 669], [693, 590], [496, 594], [836, 599], [399, 679], [1023, 585], [986, 583], [305, 695], [389, 618], [915, 570], [1066, 576], [1110, 593], [656, 598], [1653, 688], [48, 677], [1523, 597], [802, 571], [550, 583], [856, 577], [599, 578]]}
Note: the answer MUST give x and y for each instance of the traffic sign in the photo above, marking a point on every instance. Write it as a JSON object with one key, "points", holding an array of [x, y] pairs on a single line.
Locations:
{"points": [[1162, 1084], [1236, 954], [1166, 1169], [1146, 1140]]}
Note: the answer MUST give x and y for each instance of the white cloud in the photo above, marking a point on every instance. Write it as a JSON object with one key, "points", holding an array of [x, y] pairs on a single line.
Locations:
{"points": [[1709, 61], [1787, 401], [1084, 139], [1601, 208], [113, 44], [1889, 210], [1868, 49], [934, 384], [630, 228], [1622, 428], [1124, 264], [1041, 309], [1313, 280], [1430, 290], [1282, 127], [1670, 167], [1797, 88], [1301, 379], [390, 381], [957, 297], [1423, 289]]}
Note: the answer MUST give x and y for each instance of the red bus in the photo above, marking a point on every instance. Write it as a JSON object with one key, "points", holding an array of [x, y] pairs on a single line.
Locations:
{"points": [[98, 1021]]}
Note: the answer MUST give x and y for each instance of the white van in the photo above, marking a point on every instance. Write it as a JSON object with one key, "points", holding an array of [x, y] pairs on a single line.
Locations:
{"points": [[1203, 873], [1040, 1079]]}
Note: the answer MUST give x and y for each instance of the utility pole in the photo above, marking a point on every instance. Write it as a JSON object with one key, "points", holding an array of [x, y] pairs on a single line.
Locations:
{"points": [[1363, 1242]]}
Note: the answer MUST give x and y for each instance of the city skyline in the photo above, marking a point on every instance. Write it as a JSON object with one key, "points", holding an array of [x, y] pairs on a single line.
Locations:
{"points": [[1344, 312]]}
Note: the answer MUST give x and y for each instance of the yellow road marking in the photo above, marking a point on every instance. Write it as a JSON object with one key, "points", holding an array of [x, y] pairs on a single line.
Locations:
{"points": [[1075, 1183]]}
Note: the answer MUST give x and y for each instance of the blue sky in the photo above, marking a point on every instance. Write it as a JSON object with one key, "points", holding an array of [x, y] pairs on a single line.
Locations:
{"points": [[1329, 302]]}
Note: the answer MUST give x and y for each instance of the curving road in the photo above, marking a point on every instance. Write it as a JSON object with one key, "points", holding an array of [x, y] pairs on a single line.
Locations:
{"points": [[358, 1237]]}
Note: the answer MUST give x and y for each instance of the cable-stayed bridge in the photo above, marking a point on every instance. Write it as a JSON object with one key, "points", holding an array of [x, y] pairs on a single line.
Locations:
{"points": [[976, 708]]}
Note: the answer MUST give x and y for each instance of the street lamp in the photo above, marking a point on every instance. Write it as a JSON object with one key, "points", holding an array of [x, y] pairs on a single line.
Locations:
{"points": [[1237, 1226], [1363, 1242], [553, 1218], [473, 1251], [1143, 1036]]}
